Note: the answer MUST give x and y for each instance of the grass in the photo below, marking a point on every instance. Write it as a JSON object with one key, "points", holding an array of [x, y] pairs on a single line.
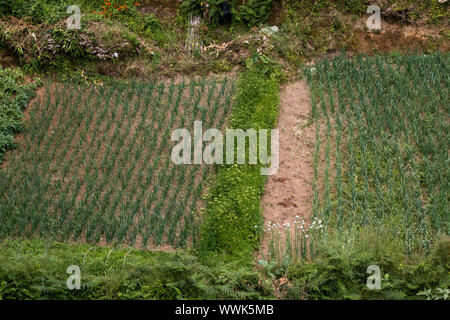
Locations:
{"points": [[36, 269], [94, 164], [233, 221]]}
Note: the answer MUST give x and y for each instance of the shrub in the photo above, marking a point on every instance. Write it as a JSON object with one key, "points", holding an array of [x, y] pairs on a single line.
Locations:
{"points": [[251, 13], [14, 97], [36, 269], [37, 11], [341, 272], [254, 12]]}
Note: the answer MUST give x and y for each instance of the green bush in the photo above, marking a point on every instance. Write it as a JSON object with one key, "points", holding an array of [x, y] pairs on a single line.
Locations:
{"points": [[36, 269], [191, 7], [38, 11], [251, 13], [14, 97], [51, 11], [341, 273], [255, 12]]}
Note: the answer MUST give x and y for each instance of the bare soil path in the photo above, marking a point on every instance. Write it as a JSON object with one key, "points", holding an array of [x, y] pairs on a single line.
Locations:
{"points": [[289, 192]]}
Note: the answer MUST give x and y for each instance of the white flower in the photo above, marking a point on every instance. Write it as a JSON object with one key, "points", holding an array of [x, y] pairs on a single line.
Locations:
{"points": [[115, 55]]}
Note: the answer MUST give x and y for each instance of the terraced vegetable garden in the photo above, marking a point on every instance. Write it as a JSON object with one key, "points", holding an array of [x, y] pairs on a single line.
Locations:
{"points": [[94, 163], [381, 161]]}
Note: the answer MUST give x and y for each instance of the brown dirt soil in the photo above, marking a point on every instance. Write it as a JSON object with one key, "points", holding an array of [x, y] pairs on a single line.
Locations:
{"points": [[7, 59], [289, 192], [397, 37]]}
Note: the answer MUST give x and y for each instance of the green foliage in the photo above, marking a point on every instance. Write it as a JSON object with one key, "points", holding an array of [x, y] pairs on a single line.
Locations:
{"points": [[210, 9], [151, 22], [251, 13], [266, 66], [14, 97], [436, 294], [37, 270], [254, 12], [190, 8], [37, 11], [233, 214], [124, 10], [341, 272], [51, 11], [56, 48], [439, 13]]}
